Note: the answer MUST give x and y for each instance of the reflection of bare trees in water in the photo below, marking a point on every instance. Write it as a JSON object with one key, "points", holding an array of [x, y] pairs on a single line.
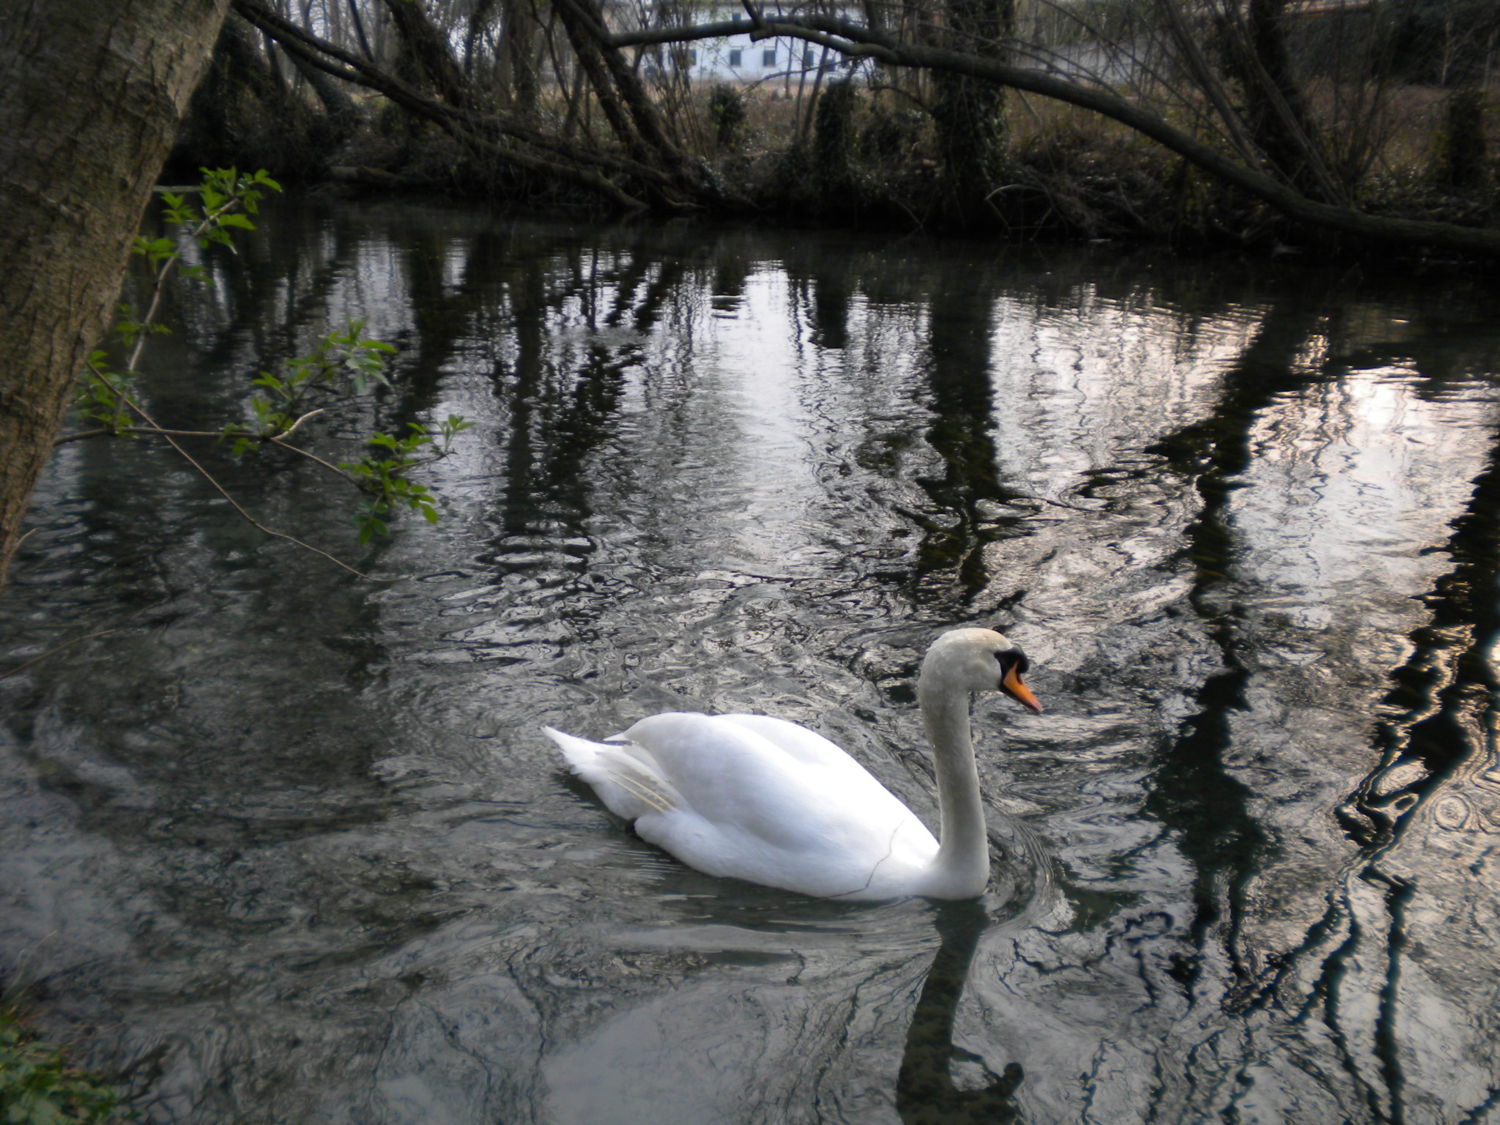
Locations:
{"points": [[1404, 933], [1216, 933], [1386, 949], [926, 1093], [1444, 695], [1192, 790], [950, 568]]}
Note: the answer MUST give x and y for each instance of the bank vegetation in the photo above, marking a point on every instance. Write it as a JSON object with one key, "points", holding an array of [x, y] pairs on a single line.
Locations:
{"points": [[1274, 123]]}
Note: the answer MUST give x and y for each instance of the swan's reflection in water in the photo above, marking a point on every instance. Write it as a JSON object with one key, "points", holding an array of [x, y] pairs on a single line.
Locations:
{"points": [[926, 1093], [824, 1017]]}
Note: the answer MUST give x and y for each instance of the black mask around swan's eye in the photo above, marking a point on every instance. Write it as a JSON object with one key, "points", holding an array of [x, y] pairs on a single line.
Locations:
{"points": [[1013, 658]]}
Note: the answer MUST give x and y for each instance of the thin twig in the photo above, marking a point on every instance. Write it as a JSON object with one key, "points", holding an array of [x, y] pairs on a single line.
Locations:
{"points": [[159, 431], [292, 429], [235, 504], [278, 440], [332, 468], [148, 431]]}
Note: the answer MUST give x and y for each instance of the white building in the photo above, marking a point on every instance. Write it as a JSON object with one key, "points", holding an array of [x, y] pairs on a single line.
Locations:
{"points": [[736, 58]]}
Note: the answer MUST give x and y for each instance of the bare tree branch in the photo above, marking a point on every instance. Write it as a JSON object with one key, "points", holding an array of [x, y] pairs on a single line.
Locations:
{"points": [[465, 127]]}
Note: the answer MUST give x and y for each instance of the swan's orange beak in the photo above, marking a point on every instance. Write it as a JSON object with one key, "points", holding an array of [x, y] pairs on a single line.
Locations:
{"points": [[1013, 686]]}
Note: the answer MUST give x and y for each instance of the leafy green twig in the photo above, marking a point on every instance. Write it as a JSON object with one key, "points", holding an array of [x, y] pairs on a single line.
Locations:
{"points": [[385, 478], [227, 199], [345, 359], [39, 1087], [344, 354]]}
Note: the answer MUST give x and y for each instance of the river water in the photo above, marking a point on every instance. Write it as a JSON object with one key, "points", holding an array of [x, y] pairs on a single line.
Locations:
{"points": [[287, 845]]}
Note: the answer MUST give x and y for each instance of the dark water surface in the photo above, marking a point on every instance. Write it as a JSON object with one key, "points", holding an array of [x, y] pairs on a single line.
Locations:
{"points": [[290, 846]]}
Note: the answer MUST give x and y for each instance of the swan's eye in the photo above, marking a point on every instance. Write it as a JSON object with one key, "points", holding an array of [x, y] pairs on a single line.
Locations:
{"points": [[1013, 658]]}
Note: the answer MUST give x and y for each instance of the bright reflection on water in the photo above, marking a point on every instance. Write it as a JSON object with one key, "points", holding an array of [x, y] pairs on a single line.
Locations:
{"points": [[288, 846]]}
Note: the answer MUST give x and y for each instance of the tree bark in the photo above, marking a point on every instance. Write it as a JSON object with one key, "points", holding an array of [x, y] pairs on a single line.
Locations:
{"points": [[1276, 107], [91, 95], [969, 113]]}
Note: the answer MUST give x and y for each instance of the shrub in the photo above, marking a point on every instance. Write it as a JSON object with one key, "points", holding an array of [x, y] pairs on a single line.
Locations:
{"points": [[38, 1087]]}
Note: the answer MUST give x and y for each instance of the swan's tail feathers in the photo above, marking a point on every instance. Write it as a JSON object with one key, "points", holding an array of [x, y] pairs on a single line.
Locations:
{"points": [[624, 774]]}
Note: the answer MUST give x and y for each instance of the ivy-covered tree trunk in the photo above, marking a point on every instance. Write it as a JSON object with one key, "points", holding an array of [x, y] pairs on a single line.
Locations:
{"points": [[427, 55], [833, 145], [1276, 106], [91, 95], [1461, 157], [521, 58], [969, 113]]}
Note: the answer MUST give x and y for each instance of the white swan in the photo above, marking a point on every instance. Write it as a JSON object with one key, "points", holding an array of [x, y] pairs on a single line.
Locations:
{"points": [[771, 802]]}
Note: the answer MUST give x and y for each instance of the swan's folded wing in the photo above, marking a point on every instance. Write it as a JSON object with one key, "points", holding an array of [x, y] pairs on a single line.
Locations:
{"points": [[763, 777], [785, 808]]}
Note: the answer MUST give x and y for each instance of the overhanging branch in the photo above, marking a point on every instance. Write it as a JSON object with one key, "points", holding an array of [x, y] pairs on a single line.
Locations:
{"points": [[464, 126]]}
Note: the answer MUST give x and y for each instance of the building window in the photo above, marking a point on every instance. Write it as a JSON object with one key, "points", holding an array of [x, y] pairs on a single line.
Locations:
{"points": [[734, 57], [768, 57]]}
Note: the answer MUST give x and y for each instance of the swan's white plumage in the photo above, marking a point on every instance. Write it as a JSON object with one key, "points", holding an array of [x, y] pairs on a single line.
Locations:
{"points": [[766, 800]]}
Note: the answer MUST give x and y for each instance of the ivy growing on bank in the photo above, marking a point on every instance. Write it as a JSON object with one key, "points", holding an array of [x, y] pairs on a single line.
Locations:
{"points": [[344, 362], [38, 1087]]}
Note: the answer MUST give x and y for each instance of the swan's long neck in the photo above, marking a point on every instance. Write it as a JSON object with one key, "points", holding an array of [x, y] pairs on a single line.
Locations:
{"points": [[962, 868]]}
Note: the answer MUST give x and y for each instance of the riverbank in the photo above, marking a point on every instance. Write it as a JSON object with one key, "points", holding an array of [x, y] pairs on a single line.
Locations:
{"points": [[851, 159]]}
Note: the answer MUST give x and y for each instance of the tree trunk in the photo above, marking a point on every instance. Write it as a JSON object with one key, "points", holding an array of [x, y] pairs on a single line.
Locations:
{"points": [[242, 113], [1276, 107], [631, 114], [969, 114], [429, 58], [91, 94], [1461, 160], [833, 146], [338, 106], [521, 54]]}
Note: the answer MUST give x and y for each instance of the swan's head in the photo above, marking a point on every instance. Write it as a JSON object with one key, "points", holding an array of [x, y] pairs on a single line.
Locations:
{"points": [[978, 660]]}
